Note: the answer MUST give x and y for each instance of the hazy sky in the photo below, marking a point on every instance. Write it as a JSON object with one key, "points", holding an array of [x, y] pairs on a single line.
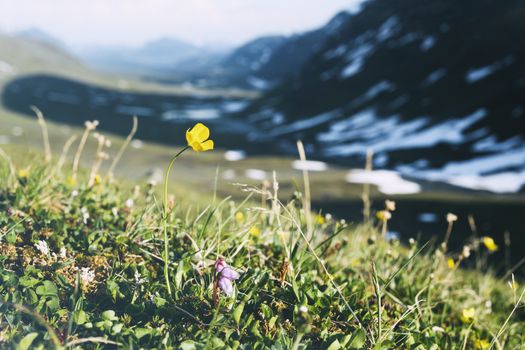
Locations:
{"points": [[132, 22]]}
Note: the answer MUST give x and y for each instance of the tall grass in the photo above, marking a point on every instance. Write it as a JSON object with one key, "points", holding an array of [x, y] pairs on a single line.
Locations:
{"points": [[82, 266]]}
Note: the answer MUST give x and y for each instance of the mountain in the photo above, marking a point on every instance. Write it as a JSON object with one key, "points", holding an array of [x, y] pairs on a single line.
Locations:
{"points": [[34, 51], [435, 87], [265, 62], [152, 59]]}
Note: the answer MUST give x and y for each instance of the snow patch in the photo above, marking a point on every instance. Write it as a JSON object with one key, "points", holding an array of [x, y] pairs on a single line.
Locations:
{"points": [[477, 74], [387, 181], [234, 155], [255, 174], [310, 165]]}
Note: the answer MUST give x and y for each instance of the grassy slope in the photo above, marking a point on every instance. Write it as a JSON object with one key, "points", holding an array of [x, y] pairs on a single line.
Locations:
{"points": [[404, 297]]}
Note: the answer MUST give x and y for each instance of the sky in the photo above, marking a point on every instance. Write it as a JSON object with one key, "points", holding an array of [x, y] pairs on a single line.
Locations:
{"points": [[81, 23]]}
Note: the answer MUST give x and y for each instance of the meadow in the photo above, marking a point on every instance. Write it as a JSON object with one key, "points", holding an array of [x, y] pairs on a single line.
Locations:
{"points": [[83, 264]]}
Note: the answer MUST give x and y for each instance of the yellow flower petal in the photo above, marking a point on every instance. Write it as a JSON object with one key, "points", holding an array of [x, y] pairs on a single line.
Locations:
{"points": [[200, 132], [197, 138], [467, 315], [490, 244], [481, 344], [208, 145], [451, 263]]}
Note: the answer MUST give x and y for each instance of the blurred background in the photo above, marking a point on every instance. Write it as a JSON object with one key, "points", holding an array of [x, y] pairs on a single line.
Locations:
{"points": [[434, 88]]}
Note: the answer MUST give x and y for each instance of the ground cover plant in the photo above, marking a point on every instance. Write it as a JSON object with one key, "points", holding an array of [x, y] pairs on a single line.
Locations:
{"points": [[88, 261]]}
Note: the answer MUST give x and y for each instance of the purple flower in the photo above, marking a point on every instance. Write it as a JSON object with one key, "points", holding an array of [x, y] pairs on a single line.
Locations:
{"points": [[226, 275]]}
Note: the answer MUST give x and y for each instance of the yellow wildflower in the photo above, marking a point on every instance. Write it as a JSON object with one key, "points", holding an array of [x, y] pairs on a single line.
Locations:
{"points": [[383, 215], [489, 243], [197, 138], [71, 181], [239, 217], [23, 173], [451, 263], [97, 180], [481, 344], [467, 315], [320, 219], [255, 231]]}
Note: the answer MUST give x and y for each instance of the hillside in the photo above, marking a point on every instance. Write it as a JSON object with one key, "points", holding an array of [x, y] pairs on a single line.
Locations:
{"points": [[433, 87]]}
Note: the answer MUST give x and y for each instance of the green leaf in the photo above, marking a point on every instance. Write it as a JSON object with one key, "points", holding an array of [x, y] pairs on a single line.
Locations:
{"points": [[80, 317], [237, 312], [109, 315], [334, 346], [179, 274], [358, 339], [188, 345], [141, 332], [26, 341]]}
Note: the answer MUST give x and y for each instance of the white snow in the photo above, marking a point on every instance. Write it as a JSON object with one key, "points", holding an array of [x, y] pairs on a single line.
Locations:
{"points": [[255, 174], [427, 217], [137, 144], [304, 124], [259, 83], [355, 60], [477, 74], [234, 155], [434, 76], [310, 165], [506, 182], [390, 133], [352, 68], [387, 181], [234, 106], [427, 43], [387, 29], [194, 114]]}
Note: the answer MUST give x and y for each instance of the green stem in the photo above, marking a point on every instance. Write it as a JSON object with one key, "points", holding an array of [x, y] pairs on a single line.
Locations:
{"points": [[165, 219]]}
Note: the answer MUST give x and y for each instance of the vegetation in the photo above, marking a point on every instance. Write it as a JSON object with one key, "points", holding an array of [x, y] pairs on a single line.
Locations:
{"points": [[82, 267]]}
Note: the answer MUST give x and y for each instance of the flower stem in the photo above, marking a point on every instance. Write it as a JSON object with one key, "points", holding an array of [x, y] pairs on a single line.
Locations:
{"points": [[165, 219]]}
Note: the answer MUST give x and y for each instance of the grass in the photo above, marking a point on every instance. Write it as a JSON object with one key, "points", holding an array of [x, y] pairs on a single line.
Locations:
{"points": [[81, 268]]}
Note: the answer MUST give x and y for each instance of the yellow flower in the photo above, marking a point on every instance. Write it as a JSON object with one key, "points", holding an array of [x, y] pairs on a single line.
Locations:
{"points": [[467, 315], [239, 217], [490, 244], [71, 181], [481, 344], [451, 263], [23, 173], [97, 179], [255, 231], [320, 219], [197, 138], [383, 215]]}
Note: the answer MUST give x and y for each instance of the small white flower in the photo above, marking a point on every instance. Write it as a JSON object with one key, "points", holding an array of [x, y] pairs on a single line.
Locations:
{"points": [[87, 275], [114, 210], [411, 241], [438, 329], [130, 203], [451, 217], [63, 252], [85, 215], [138, 278], [466, 252], [303, 309], [42, 247], [74, 193]]}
